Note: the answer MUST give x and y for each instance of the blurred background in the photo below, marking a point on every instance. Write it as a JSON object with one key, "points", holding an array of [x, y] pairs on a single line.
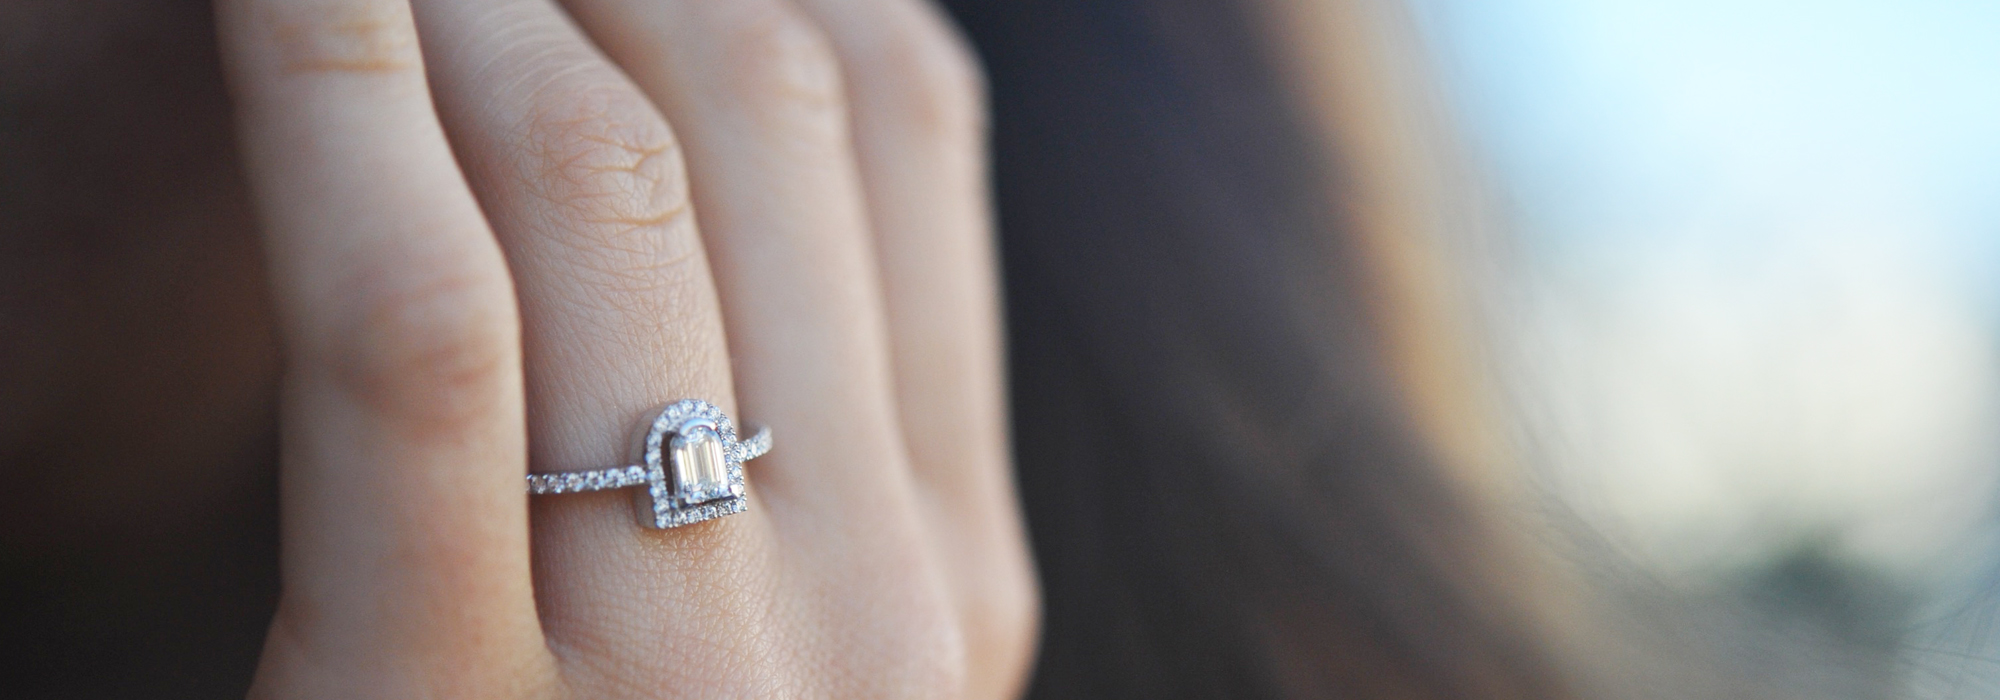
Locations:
{"points": [[1698, 300], [1739, 290]]}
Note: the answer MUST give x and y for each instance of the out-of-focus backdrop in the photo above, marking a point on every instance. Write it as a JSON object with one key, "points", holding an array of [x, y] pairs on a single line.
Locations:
{"points": [[1749, 309]]}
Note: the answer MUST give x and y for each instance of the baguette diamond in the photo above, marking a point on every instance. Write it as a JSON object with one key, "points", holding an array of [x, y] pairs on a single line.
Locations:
{"points": [[691, 466]]}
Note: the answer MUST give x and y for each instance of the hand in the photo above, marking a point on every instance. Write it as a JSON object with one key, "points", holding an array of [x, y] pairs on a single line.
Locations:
{"points": [[487, 260]]}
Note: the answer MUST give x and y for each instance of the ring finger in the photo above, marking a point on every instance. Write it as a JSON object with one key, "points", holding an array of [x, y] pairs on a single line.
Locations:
{"points": [[755, 89], [583, 183]]}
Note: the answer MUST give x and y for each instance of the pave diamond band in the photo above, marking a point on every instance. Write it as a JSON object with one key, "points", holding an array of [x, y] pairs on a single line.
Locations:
{"points": [[591, 480], [691, 467], [627, 476]]}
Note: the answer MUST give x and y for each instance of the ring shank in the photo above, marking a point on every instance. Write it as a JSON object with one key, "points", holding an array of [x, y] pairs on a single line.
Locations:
{"points": [[583, 481]]}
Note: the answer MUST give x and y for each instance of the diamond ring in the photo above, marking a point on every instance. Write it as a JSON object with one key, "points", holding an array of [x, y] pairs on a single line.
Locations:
{"points": [[692, 467]]}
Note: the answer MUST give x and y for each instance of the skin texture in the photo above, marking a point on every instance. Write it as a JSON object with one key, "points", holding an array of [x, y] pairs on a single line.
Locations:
{"points": [[500, 233]]}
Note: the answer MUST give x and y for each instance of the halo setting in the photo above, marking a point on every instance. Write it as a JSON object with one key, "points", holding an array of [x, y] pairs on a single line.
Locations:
{"points": [[691, 466]]}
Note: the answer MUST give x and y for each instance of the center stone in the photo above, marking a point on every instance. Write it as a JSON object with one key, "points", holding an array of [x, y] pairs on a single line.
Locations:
{"points": [[700, 472]]}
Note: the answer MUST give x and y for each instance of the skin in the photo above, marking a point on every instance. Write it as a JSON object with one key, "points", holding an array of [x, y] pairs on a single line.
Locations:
{"points": [[498, 234]]}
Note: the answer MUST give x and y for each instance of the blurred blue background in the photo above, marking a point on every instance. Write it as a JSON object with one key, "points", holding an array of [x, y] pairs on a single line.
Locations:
{"points": [[1758, 270], [1619, 119]]}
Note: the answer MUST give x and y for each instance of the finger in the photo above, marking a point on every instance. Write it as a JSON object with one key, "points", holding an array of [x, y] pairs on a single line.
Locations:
{"points": [[754, 90], [918, 124], [405, 537], [756, 96], [584, 184]]}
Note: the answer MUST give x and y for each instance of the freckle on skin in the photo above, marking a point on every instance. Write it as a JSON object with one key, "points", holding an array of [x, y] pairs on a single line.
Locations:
{"points": [[368, 36]]}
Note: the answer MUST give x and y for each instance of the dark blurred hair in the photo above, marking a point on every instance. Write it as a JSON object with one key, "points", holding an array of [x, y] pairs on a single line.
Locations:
{"points": [[1224, 498]]}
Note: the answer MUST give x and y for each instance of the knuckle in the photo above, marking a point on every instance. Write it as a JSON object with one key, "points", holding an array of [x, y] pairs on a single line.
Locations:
{"points": [[929, 77], [780, 66], [311, 644], [1002, 622], [609, 168], [929, 656], [430, 353], [932, 661]]}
